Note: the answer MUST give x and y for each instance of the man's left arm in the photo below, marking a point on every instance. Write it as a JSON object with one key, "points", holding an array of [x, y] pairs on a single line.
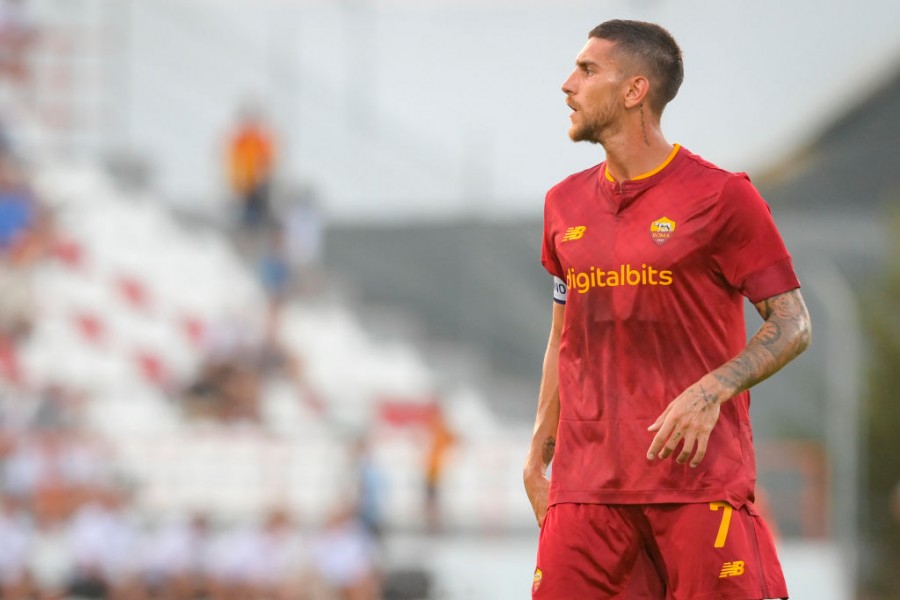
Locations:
{"points": [[785, 333]]}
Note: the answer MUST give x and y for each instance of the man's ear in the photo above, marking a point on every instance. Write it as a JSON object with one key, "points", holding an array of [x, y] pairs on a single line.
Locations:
{"points": [[637, 91]]}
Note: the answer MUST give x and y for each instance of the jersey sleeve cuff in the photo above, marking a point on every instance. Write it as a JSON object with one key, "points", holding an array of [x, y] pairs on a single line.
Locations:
{"points": [[770, 281]]}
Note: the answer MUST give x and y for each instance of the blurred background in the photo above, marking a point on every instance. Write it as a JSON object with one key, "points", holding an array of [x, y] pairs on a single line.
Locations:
{"points": [[271, 307]]}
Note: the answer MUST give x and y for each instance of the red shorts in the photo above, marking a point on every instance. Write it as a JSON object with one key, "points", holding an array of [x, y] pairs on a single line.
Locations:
{"points": [[656, 552]]}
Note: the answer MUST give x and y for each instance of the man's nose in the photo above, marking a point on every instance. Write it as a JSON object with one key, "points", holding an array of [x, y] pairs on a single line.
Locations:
{"points": [[568, 87]]}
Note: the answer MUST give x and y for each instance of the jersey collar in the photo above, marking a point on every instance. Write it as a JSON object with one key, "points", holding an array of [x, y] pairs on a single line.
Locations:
{"points": [[664, 164], [622, 193]]}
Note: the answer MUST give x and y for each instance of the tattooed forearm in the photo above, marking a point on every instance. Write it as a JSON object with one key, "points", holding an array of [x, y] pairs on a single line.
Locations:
{"points": [[787, 330], [725, 378], [740, 373], [770, 333], [785, 334], [549, 449]]}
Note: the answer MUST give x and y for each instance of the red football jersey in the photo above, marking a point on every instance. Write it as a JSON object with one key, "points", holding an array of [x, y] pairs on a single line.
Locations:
{"points": [[656, 269]]}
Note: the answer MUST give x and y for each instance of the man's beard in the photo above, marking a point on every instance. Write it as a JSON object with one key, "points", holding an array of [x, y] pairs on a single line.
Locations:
{"points": [[588, 132], [598, 128]]}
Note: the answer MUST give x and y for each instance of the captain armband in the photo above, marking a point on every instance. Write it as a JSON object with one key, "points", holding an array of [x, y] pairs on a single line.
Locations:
{"points": [[559, 290]]}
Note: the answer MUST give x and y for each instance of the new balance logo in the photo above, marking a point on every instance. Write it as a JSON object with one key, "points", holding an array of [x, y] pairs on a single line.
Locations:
{"points": [[574, 233], [732, 569]]}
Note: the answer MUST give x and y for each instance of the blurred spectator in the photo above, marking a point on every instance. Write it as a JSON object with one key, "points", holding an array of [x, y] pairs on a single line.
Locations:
{"points": [[105, 543], [303, 240], [15, 543], [18, 33], [274, 269], [370, 482], [51, 557], [23, 236], [26, 235], [344, 559], [34, 475], [17, 301], [239, 359], [18, 209], [251, 161], [239, 388], [202, 396], [441, 439], [225, 390], [226, 387], [178, 559], [54, 472], [264, 560]]}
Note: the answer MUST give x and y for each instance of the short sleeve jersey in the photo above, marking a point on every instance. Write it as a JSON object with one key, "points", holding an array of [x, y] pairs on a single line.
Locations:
{"points": [[656, 269]]}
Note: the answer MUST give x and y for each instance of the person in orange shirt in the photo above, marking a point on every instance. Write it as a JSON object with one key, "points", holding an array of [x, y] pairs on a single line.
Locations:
{"points": [[251, 162], [441, 440]]}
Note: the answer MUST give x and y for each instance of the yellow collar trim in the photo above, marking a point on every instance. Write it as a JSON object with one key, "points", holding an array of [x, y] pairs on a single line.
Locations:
{"points": [[649, 173]]}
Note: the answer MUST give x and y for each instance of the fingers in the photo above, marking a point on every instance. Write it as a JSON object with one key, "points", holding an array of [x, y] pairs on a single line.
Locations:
{"points": [[663, 429], [540, 512], [701, 451], [670, 446], [662, 436], [687, 422], [537, 495], [688, 447], [689, 441], [667, 440]]}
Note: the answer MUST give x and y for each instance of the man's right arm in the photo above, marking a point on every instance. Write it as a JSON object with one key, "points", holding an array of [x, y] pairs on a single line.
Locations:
{"points": [[543, 440]]}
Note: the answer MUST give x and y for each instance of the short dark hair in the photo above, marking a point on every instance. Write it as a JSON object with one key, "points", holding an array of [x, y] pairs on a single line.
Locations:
{"points": [[651, 47]]}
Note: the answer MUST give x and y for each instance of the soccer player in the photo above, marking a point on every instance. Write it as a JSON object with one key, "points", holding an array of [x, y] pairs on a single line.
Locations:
{"points": [[644, 405]]}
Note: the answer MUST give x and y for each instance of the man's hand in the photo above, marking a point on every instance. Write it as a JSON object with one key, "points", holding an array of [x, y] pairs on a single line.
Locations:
{"points": [[689, 419], [538, 487]]}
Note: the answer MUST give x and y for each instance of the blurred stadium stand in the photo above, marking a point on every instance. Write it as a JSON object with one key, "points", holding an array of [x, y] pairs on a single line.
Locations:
{"points": [[125, 307], [136, 351]]}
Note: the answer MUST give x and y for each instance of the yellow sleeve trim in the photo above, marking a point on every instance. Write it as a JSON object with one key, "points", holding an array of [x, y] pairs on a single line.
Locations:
{"points": [[665, 163]]}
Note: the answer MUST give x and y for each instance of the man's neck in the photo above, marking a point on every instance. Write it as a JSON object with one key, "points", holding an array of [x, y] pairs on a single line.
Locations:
{"points": [[630, 156]]}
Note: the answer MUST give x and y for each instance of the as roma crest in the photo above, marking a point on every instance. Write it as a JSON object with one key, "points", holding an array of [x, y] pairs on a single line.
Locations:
{"points": [[661, 230]]}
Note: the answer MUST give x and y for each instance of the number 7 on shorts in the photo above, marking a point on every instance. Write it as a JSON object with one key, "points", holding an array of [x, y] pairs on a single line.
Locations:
{"points": [[725, 524]]}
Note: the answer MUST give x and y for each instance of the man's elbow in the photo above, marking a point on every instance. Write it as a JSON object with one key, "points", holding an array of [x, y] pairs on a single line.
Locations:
{"points": [[803, 336]]}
